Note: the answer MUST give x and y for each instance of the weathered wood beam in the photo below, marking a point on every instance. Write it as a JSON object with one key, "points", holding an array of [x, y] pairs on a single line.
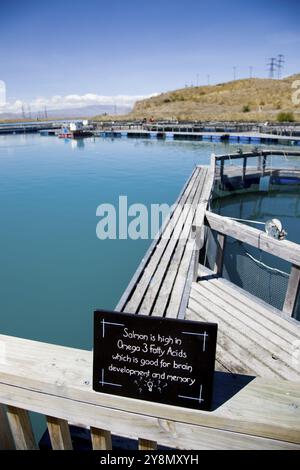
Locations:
{"points": [[59, 433], [101, 439], [221, 240], [284, 249], [144, 444], [6, 439], [292, 291], [255, 417], [234, 156], [21, 429]]}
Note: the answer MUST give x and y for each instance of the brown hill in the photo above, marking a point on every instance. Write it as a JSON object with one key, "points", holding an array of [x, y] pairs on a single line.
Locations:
{"points": [[253, 99]]}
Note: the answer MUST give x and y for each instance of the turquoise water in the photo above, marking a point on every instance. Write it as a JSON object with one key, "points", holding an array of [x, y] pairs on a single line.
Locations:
{"points": [[54, 271]]}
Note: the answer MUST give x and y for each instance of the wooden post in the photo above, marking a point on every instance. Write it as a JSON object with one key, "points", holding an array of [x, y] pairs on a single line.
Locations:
{"points": [[59, 433], [222, 173], [244, 168], [292, 291], [101, 439], [144, 444], [264, 164], [6, 439], [218, 268], [259, 165], [21, 429], [197, 232]]}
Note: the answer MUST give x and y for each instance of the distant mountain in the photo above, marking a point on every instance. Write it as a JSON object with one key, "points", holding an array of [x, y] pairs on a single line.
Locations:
{"points": [[86, 111], [9, 116], [254, 99]]}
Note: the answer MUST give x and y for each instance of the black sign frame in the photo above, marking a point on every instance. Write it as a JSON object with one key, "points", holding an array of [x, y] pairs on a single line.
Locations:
{"points": [[155, 359]]}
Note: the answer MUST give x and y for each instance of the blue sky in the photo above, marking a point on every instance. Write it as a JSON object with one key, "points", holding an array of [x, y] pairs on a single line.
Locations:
{"points": [[137, 48]]}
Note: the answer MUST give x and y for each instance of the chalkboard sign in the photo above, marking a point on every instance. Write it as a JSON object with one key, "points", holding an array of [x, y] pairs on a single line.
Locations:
{"points": [[153, 358]]}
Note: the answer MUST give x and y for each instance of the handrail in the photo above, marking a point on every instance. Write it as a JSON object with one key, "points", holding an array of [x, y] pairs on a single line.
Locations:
{"points": [[56, 381], [258, 153], [284, 249]]}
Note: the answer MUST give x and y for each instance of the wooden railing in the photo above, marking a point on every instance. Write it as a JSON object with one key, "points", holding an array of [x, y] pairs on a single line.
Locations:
{"points": [[284, 249], [218, 161], [56, 382]]}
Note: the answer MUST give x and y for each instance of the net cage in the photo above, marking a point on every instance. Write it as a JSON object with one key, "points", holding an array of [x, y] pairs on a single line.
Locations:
{"points": [[254, 197]]}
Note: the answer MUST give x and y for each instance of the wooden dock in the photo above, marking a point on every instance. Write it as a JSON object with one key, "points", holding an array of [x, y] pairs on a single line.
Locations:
{"points": [[256, 402], [171, 283], [161, 283]]}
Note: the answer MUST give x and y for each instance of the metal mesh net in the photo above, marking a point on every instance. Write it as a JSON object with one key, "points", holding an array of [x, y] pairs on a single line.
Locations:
{"points": [[259, 273], [258, 190]]}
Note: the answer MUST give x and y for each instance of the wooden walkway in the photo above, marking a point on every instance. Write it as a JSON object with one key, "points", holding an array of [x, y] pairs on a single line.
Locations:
{"points": [[162, 282], [253, 337]]}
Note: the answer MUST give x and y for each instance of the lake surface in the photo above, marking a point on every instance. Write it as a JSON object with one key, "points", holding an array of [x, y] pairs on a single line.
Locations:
{"points": [[54, 271]]}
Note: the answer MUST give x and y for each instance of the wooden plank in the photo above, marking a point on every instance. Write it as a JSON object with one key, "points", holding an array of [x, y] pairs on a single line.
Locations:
{"points": [[280, 324], [56, 380], [170, 262], [160, 246], [144, 444], [133, 304], [226, 361], [170, 433], [198, 235], [6, 439], [101, 439], [143, 263], [184, 265], [281, 248], [59, 434], [257, 343], [253, 317], [292, 291], [248, 363], [221, 240], [188, 285], [21, 429]]}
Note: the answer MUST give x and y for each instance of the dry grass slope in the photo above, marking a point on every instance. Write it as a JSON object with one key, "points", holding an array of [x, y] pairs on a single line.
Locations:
{"points": [[241, 100]]}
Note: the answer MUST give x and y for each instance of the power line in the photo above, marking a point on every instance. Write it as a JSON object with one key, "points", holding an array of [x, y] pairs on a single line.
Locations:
{"points": [[250, 71], [272, 66], [234, 72], [280, 62]]}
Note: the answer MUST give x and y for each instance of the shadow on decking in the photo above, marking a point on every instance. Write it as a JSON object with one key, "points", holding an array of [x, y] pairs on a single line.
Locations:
{"points": [[226, 385]]}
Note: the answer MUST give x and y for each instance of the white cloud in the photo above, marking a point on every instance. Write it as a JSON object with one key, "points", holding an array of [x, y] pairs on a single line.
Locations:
{"points": [[72, 101], [2, 93]]}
